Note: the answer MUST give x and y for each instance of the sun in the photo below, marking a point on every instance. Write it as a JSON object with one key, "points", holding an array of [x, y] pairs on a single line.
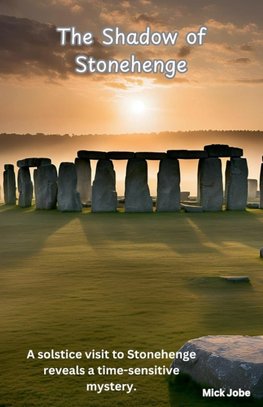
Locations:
{"points": [[137, 106]]}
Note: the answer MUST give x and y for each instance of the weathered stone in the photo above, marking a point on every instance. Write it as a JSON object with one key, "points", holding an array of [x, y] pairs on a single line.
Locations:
{"points": [[261, 187], [68, 197], [92, 155], [9, 185], [252, 185], [104, 196], [168, 186], [120, 155], [236, 184], [225, 362], [25, 187], [236, 152], [253, 205], [210, 186], [45, 184], [192, 208], [184, 195], [218, 150], [33, 162], [261, 252], [151, 155], [137, 194], [187, 154], [84, 180]]}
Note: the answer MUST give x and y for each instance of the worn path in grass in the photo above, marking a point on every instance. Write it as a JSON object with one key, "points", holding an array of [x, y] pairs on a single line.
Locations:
{"points": [[120, 281]]}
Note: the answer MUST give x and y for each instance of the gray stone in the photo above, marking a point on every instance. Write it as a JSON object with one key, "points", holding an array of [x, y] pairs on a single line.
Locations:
{"points": [[236, 184], [92, 155], [236, 152], [187, 154], [253, 205], [137, 194], [168, 186], [25, 187], [192, 208], [226, 362], [151, 155], [210, 186], [84, 180], [68, 197], [261, 252], [33, 162], [45, 184], [184, 195], [9, 185], [120, 155], [261, 187], [252, 189], [104, 196]]}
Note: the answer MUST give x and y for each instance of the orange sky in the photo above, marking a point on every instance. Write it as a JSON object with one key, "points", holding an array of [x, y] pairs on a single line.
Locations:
{"points": [[41, 93]]}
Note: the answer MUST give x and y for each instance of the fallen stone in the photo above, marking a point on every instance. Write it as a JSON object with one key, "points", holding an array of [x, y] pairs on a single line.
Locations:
{"points": [[236, 279], [68, 197], [137, 194], [104, 195], [210, 184], [33, 162], [45, 184], [192, 208], [168, 186], [25, 188], [184, 195], [187, 154], [151, 155], [83, 180], [92, 155], [226, 362], [120, 155], [9, 179], [252, 205], [236, 184]]}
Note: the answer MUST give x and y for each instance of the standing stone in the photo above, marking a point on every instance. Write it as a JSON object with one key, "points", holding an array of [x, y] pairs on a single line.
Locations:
{"points": [[210, 185], [45, 183], [84, 180], [236, 184], [25, 188], [261, 187], [137, 194], [9, 185], [252, 185], [68, 197], [168, 187], [104, 195]]}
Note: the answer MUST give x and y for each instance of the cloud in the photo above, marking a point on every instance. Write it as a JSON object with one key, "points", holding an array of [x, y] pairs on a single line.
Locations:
{"points": [[246, 47], [250, 81], [240, 61], [29, 48], [184, 51]]}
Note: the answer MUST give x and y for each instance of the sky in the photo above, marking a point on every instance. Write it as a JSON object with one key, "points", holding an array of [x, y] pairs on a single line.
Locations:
{"points": [[40, 92]]}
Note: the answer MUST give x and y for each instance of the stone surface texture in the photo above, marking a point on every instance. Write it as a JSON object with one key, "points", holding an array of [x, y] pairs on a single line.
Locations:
{"points": [[226, 361], [236, 184], [84, 180], [9, 179], [68, 197], [210, 184], [25, 188], [104, 195], [137, 194], [45, 184], [168, 186]]}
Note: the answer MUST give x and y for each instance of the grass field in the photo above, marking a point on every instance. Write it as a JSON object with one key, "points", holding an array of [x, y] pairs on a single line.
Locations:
{"points": [[121, 281]]}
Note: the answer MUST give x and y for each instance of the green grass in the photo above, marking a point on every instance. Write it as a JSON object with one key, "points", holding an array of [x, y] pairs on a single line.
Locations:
{"points": [[120, 281]]}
